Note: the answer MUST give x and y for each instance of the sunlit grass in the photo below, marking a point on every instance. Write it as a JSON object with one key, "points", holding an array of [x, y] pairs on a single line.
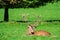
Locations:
{"points": [[18, 31]]}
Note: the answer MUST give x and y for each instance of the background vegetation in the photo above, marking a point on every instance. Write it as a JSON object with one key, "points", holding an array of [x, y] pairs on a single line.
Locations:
{"points": [[18, 31], [24, 3], [48, 12]]}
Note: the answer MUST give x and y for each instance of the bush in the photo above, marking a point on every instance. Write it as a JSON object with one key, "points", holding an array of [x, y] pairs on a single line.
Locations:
{"points": [[28, 3]]}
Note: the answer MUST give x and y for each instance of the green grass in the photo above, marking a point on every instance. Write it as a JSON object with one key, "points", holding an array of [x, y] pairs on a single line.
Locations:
{"points": [[18, 31], [48, 12], [1, 14]]}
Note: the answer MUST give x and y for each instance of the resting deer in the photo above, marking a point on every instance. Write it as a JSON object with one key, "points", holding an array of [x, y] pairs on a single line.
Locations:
{"points": [[37, 33]]}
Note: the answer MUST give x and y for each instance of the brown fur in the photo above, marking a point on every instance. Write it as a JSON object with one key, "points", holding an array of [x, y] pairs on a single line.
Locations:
{"points": [[37, 33]]}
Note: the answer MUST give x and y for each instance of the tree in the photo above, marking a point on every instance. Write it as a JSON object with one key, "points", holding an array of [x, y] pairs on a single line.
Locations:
{"points": [[6, 6], [6, 15], [21, 4]]}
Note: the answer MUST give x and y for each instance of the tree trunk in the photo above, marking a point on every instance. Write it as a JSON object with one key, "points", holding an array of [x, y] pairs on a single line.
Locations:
{"points": [[6, 16]]}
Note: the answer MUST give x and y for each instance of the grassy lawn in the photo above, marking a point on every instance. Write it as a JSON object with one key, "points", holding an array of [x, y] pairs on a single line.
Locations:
{"points": [[1, 14], [18, 31], [48, 12]]}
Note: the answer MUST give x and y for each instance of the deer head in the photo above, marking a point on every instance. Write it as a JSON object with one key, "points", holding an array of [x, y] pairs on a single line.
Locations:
{"points": [[30, 29], [37, 33]]}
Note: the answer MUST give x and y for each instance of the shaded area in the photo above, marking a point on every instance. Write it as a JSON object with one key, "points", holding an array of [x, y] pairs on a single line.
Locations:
{"points": [[24, 21], [27, 3], [34, 21], [1, 21], [52, 20], [44, 21], [6, 16]]}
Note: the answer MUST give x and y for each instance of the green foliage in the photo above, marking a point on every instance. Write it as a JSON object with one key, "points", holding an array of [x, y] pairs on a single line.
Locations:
{"points": [[48, 12], [18, 31], [26, 3]]}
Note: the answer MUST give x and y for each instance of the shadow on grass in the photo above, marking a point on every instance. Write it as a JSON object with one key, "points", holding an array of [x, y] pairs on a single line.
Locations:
{"points": [[34, 21]]}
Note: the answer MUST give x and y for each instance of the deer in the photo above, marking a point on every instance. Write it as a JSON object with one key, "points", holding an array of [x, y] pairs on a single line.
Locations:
{"points": [[37, 33], [24, 17]]}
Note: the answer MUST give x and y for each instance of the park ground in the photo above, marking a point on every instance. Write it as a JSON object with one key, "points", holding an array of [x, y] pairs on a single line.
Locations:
{"points": [[13, 30]]}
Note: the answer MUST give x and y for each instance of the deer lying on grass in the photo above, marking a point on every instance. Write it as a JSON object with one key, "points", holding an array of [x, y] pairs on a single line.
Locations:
{"points": [[36, 33]]}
